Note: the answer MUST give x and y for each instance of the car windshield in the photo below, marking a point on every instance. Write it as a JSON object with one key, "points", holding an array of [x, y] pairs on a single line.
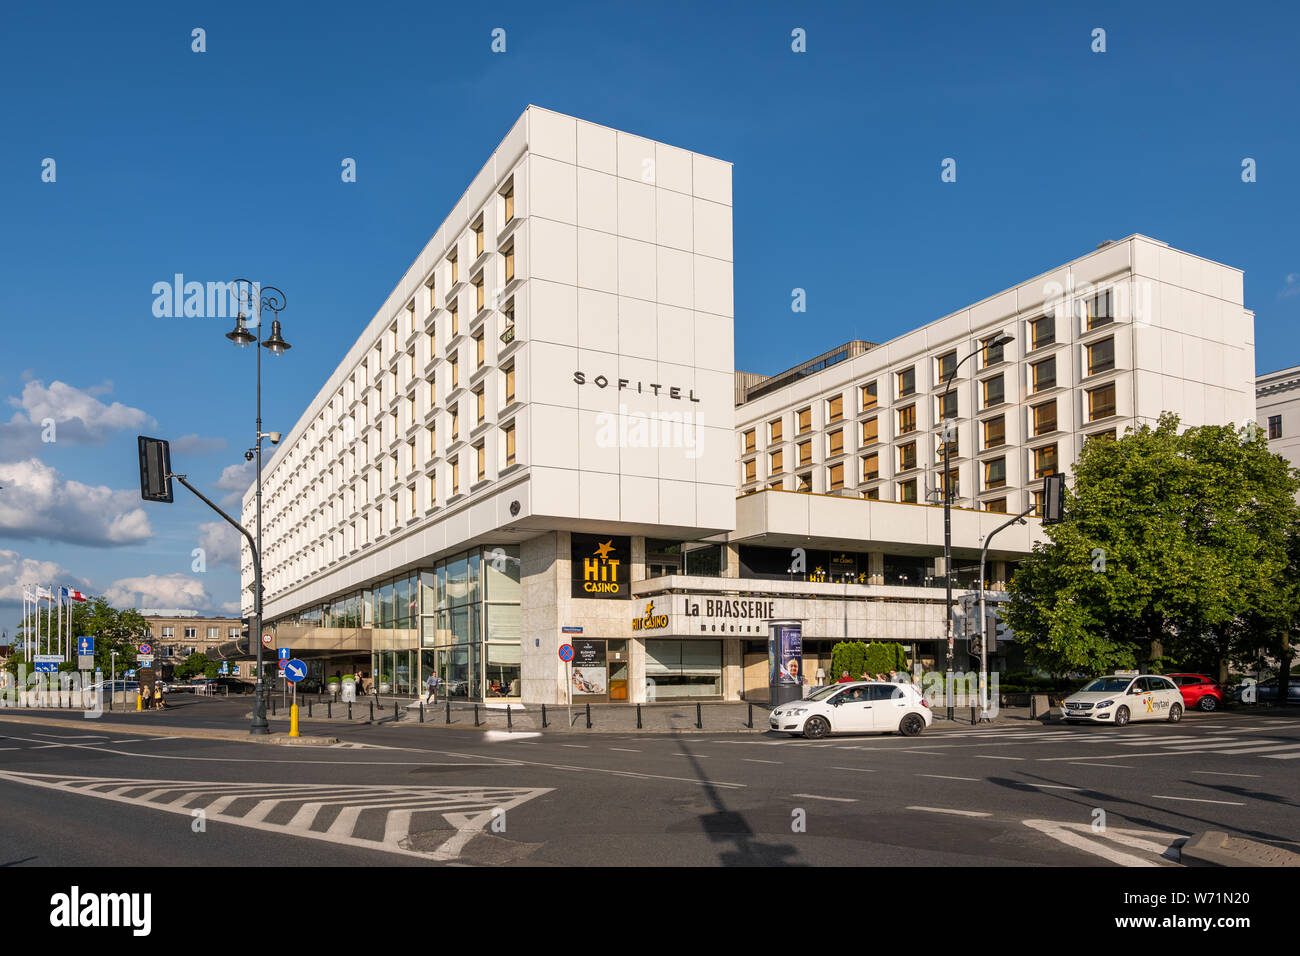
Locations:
{"points": [[1105, 685], [825, 692]]}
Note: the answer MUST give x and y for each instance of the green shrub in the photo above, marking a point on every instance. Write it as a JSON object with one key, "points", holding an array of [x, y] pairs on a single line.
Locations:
{"points": [[858, 657]]}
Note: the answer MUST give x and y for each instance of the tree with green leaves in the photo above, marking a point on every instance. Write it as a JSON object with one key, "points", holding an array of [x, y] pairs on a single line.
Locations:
{"points": [[196, 665], [113, 630], [1175, 550]]}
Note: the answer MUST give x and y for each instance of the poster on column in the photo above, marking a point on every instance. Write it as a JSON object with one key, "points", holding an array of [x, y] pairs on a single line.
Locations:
{"points": [[589, 669], [785, 653]]}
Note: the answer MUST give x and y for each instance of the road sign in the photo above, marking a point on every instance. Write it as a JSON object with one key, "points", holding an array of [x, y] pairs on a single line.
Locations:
{"points": [[144, 660], [566, 652], [267, 639], [295, 670], [146, 649], [131, 672], [85, 662], [282, 662], [85, 645], [570, 629], [47, 663], [222, 669], [284, 653]]}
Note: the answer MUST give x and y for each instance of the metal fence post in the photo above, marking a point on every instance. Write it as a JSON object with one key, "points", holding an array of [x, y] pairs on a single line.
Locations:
{"points": [[372, 711], [750, 723], [543, 716], [510, 723], [449, 711], [638, 717], [421, 711], [476, 715], [589, 716], [349, 710], [699, 718], [394, 709]]}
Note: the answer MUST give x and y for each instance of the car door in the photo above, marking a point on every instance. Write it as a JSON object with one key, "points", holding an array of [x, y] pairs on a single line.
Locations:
{"points": [[1140, 700], [888, 705], [853, 710]]}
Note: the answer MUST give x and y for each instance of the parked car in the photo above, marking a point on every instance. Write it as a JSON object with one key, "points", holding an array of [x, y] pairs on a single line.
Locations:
{"points": [[1267, 690], [219, 685], [116, 687], [861, 706], [1199, 691]]}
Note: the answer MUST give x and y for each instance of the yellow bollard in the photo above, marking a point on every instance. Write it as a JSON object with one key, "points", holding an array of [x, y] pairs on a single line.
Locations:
{"points": [[139, 702], [293, 721]]}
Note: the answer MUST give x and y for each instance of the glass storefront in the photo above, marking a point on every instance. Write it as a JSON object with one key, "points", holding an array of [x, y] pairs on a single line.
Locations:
{"points": [[675, 669]]}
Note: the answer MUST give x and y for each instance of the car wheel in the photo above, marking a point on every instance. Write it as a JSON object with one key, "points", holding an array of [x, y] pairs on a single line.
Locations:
{"points": [[815, 728], [1175, 713], [1208, 703], [1121, 717], [911, 725]]}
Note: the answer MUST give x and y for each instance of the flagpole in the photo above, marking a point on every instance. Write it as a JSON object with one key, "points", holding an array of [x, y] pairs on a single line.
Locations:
{"points": [[60, 623]]}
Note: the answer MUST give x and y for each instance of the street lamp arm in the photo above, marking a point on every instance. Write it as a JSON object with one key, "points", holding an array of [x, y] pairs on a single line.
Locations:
{"points": [[257, 563], [984, 620]]}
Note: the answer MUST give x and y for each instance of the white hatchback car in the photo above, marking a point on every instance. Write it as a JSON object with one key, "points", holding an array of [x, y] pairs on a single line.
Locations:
{"points": [[859, 707], [1122, 697]]}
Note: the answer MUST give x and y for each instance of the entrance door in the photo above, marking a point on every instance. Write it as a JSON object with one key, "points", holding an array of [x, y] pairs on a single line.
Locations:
{"points": [[618, 671]]}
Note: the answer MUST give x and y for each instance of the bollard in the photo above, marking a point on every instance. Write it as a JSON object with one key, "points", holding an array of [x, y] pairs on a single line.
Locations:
{"points": [[510, 724], [638, 716], [543, 716], [272, 705], [699, 718], [394, 710], [476, 715], [309, 708], [448, 711], [750, 724], [372, 711], [349, 710], [329, 709], [139, 702], [589, 716], [421, 711], [293, 720], [973, 719]]}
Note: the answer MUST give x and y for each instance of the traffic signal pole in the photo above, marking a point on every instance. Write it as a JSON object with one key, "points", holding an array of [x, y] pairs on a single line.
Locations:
{"points": [[984, 620]]}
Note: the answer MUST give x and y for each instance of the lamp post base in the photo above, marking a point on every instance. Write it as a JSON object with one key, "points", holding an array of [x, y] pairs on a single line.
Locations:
{"points": [[259, 725]]}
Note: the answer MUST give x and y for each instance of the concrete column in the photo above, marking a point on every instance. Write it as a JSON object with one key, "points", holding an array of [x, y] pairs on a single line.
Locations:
{"points": [[732, 665], [731, 558], [875, 567], [638, 558], [636, 671]]}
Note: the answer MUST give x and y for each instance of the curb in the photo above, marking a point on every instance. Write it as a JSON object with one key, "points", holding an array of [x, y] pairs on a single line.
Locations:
{"points": [[154, 730], [1216, 848]]}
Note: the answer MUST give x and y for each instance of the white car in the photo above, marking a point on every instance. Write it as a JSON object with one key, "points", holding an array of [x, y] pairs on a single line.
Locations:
{"points": [[858, 707], [1122, 697]]}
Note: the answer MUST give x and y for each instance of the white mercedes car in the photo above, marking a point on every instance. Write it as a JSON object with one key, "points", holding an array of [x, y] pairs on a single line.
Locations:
{"points": [[1125, 696], [858, 707]]}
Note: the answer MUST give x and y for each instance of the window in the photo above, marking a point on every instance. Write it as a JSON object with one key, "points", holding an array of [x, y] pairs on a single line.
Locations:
{"points": [[1101, 403], [1108, 433], [835, 476], [805, 452], [803, 482], [749, 441], [947, 406], [995, 432], [454, 362], [1038, 503], [478, 237], [952, 480], [455, 421], [994, 392], [478, 292], [509, 432], [214, 633], [433, 440], [1045, 418], [1098, 311], [509, 197], [479, 401], [510, 384], [1042, 331], [952, 446], [191, 633], [478, 348], [998, 505], [453, 307], [836, 444], [805, 420], [774, 431], [751, 470], [907, 491], [907, 456], [868, 394], [835, 409], [455, 476], [871, 466], [872, 494], [992, 351], [1043, 374], [947, 366], [1101, 356], [455, 267], [995, 474], [871, 431], [168, 633], [481, 452], [907, 419], [775, 462], [1274, 423], [1045, 461], [906, 382], [509, 253]]}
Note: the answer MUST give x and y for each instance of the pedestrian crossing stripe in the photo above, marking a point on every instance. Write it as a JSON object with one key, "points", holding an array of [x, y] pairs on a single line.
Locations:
{"points": [[1115, 844], [467, 809]]}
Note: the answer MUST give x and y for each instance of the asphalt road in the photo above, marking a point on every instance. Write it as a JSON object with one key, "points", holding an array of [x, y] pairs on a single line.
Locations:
{"points": [[399, 794]]}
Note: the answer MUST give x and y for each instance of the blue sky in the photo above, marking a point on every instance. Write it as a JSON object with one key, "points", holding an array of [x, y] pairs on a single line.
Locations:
{"points": [[226, 163]]}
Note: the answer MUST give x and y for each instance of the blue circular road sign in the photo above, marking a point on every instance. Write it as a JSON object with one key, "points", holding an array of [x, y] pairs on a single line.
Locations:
{"points": [[295, 670]]}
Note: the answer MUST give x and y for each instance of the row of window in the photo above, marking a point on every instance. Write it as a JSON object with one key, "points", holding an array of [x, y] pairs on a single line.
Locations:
{"points": [[213, 633]]}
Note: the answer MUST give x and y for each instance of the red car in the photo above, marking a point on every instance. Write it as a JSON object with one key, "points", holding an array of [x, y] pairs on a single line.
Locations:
{"points": [[1199, 691]]}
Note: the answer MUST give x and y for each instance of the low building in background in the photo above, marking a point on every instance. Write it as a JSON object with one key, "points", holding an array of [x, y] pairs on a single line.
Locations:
{"points": [[1277, 410]]}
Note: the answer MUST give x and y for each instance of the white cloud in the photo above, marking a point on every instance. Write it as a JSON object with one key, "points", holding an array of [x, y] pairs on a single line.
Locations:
{"points": [[1291, 286], [15, 571], [235, 479], [79, 417], [220, 543], [232, 608], [39, 503], [159, 590], [197, 445]]}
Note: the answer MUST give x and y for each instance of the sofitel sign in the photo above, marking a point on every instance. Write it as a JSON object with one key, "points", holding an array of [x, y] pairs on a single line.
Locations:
{"points": [[602, 381]]}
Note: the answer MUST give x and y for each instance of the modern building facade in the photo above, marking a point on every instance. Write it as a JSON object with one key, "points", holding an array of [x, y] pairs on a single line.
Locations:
{"points": [[1277, 410], [540, 438]]}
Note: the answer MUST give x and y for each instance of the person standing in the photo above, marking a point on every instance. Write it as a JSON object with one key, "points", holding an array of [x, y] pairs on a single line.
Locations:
{"points": [[146, 693], [432, 685], [844, 678]]}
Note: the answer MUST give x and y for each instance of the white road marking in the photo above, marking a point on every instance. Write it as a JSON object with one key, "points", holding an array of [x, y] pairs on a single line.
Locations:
{"points": [[1083, 763], [625, 750], [929, 753], [1070, 834], [687, 755], [1262, 749], [38, 733], [756, 760], [1226, 803], [1218, 773], [576, 746], [497, 736], [960, 813], [939, 776], [996, 757], [854, 769], [1282, 756], [813, 796], [1046, 786]]}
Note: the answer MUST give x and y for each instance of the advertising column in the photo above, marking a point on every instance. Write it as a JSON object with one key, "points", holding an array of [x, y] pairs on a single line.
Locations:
{"points": [[784, 661]]}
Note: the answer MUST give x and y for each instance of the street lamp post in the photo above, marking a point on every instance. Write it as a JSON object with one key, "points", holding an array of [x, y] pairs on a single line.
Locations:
{"points": [[1000, 340], [984, 620], [256, 298]]}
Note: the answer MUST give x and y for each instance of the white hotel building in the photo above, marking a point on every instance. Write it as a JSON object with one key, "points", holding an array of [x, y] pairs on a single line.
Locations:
{"points": [[540, 438]]}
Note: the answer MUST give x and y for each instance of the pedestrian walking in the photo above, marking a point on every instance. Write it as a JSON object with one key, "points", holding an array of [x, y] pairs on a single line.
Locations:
{"points": [[432, 685], [159, 701], [145, 695]]}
